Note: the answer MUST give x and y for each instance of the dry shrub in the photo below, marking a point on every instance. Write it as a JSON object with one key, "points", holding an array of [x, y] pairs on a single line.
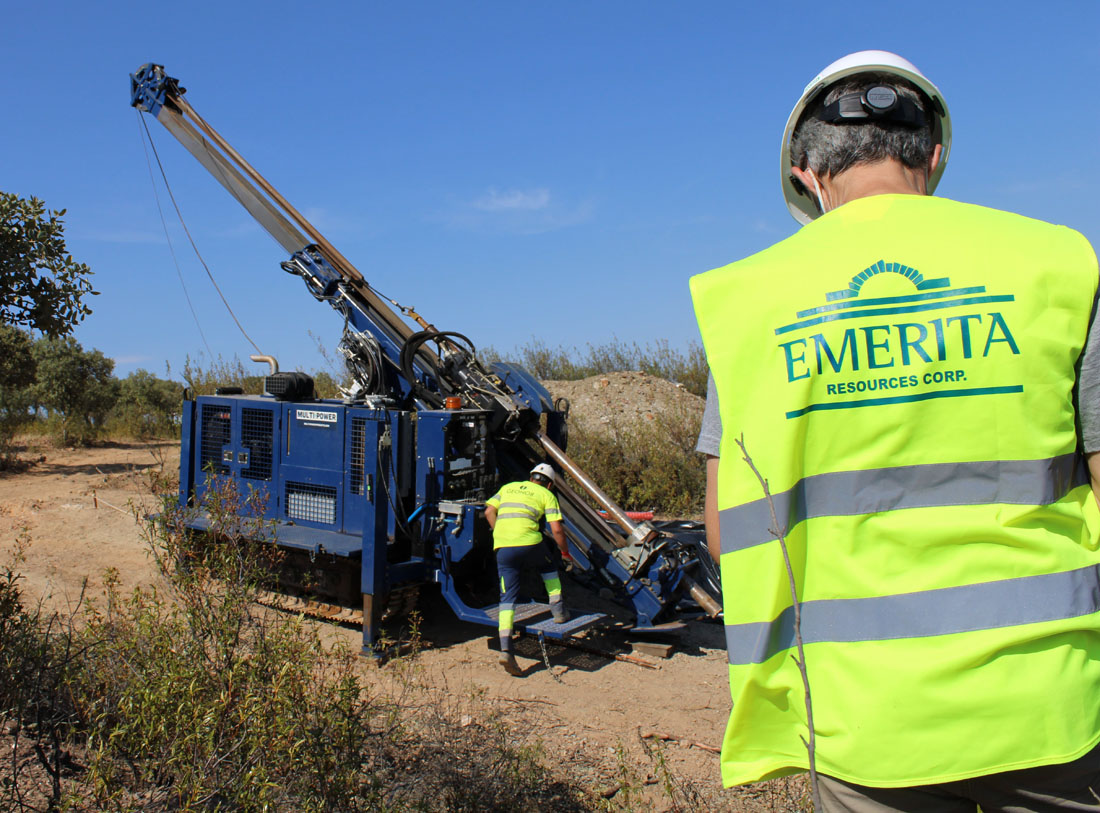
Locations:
{"points": [[187, 696], [687, 367], [38, 657], [193, 698], [462, 755], [646, 465], [205, 379]]}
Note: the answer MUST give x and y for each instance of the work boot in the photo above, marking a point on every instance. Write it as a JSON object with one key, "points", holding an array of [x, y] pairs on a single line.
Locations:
{"points": [[561, 615], [508, 661]]}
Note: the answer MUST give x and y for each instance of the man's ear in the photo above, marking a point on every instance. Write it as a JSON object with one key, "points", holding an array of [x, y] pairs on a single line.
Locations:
{"points": [[815, 189], [934, 159], [806, 178]]}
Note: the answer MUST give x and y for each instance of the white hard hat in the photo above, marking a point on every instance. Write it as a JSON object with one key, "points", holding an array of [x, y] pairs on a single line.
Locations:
{"points": [[802, 206], [544, 469]]}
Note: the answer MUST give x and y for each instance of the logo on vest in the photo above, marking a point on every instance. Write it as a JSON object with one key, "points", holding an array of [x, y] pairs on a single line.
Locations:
{"points": [[911, 345]]}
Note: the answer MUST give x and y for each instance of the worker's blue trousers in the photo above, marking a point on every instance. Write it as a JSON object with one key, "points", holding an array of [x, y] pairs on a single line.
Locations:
{"points": [[511, 562]]}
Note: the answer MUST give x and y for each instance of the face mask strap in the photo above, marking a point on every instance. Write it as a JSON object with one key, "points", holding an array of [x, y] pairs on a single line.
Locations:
{"points": [[817, 191]]}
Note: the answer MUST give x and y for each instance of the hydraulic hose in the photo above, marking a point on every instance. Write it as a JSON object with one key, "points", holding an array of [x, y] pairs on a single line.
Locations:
{"points": [[408, 356]]}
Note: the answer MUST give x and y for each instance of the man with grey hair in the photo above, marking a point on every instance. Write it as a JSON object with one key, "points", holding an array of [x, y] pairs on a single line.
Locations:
{"points": [[917, 381]]}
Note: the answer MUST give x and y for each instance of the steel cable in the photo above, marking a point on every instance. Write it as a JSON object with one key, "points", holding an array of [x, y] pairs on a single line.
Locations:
{"points": [[186, 231], [168, 237]]}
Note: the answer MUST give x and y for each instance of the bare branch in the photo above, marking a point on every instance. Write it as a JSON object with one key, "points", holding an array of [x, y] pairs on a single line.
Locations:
{"points": [[779, 532]]}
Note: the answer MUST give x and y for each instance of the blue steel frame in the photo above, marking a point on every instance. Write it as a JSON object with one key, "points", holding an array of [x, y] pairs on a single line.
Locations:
{"points": [[650, 593], [326, 284], [312, 446], [312, 449], [149, 87]]}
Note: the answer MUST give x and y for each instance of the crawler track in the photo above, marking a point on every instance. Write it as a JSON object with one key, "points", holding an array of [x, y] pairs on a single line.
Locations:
{"points": [[400, 602]]}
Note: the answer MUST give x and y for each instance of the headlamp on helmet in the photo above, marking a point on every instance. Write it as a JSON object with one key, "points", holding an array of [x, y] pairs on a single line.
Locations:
{"points": [[878, 103]]}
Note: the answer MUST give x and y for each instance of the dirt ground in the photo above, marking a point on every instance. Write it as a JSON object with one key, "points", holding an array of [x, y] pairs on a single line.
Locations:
{"points": [[73, 511]]}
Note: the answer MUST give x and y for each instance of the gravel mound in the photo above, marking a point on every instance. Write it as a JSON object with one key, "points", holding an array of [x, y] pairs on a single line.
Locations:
{"points": [[624, 400]]}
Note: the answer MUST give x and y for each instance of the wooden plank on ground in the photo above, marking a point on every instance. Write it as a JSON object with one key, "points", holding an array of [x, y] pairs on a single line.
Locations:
{"points": [[653, 649]]}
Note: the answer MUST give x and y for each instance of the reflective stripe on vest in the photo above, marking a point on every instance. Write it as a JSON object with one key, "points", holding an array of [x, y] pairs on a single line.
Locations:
{"points": [[1026, 600], [520, 510], [846, 493]]}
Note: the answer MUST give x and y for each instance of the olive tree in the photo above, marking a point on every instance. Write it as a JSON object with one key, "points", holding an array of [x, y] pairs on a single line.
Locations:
{"points": [[78, 387], [17, 373], [148, 406], [41, 286]]}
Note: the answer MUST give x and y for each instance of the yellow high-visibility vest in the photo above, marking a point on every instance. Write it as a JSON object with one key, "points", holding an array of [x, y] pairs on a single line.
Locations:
{"points": [[902, 372], [521, 507]]}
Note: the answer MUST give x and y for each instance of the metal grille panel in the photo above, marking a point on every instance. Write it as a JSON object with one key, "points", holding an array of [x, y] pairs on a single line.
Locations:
{"points": [[358, 439], [312, 503], [217, 427], [256, 436]]}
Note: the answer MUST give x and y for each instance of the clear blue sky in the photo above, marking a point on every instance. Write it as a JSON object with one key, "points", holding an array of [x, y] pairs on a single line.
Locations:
{"points": [[512, 170]]}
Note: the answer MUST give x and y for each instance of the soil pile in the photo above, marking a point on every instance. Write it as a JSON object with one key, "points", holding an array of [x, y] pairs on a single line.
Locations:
{"points": [[624, 399]]}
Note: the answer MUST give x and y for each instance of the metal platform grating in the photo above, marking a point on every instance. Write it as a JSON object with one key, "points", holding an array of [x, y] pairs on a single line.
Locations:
{"points": [[217, 425], [311, 503], [256, 436], [525, 613], [358, 440]]}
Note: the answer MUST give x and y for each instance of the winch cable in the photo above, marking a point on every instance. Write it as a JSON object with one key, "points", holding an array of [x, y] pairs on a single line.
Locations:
{"points": [[186, 231], [168, 237]]}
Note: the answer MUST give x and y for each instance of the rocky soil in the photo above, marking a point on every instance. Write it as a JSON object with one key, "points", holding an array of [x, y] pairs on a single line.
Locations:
{"points": [[623, 399]]}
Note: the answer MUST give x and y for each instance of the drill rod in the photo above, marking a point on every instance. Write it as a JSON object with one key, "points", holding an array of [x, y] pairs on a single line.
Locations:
{"points": [[586, 483]]}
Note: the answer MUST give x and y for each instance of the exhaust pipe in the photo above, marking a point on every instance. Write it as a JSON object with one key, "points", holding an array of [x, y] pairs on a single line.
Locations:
{"points": [[269, 359]]}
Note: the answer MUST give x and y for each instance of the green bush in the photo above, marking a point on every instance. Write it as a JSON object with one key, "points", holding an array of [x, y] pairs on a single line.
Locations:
{"points": [[76, 387], [325, 386], [197, 697], [17, 372], [147, 407]]}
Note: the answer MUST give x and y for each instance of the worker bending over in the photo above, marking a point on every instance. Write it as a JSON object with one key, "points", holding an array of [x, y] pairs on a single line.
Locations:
{"points": [[916, 379], [515, 514]]}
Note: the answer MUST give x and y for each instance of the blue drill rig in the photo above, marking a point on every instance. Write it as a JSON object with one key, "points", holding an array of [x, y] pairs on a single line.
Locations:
{"points": [[375, 494]]}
